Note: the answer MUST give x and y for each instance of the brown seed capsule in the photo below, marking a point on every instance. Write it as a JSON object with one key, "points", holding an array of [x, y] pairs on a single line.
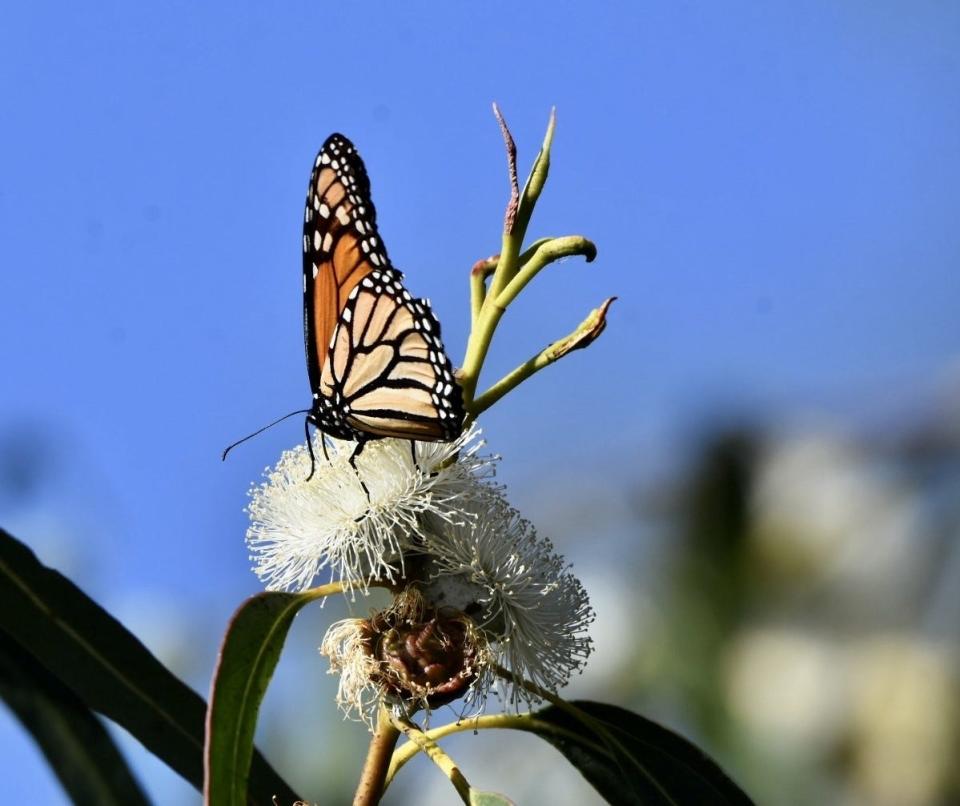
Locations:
{"points": [[433, 658]]}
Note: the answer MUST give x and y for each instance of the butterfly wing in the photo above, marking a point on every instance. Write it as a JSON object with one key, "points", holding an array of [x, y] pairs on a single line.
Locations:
{"points": [[340, 244], [376, 363]]}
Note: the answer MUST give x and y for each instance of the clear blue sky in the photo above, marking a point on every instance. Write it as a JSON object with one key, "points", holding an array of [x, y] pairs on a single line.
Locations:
{"points": [[773, 189]]}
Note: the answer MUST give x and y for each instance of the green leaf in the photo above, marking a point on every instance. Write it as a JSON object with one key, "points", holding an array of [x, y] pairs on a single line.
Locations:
{"points": [[248, 656], [629, 759], [77, 746], [108, 669], [478, 798]]}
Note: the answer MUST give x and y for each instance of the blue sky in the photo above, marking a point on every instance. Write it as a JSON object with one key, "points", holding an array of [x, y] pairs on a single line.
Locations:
{"points": [[773, 189]]}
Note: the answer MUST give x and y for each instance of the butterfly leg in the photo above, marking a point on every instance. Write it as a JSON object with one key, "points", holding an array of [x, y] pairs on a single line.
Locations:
{"points": [[361, 443], [313, 459]]}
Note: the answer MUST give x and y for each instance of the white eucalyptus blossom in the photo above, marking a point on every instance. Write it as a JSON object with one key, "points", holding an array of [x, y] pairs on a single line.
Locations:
{"points": [[519, 591], [357, 521], [359, 692]]}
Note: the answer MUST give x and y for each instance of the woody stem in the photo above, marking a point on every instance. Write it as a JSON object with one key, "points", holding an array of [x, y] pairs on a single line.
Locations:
{"points": [[370, 788]]}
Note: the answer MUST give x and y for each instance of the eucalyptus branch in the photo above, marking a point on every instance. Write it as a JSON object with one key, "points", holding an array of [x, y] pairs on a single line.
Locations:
{"points": [[435, 753], [585, 333], [370, 788], [511, 271]]}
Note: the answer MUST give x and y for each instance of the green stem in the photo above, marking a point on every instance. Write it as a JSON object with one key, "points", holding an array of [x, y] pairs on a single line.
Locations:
{"points": [[478, 286], [436, 754], [585, 333], [509, 382], [524, 722], [548, 251], [477, 346]]}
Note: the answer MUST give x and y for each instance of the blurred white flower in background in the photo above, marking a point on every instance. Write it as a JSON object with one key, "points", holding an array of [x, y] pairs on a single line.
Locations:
{"points": [[827, 513], [859, 568], [788, 688], [904, 695]]}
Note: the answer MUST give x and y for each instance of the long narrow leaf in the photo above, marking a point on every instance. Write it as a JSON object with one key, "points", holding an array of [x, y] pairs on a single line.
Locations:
{"points": [[248, 657], [631, 760], [76, 744], [109, 669]]}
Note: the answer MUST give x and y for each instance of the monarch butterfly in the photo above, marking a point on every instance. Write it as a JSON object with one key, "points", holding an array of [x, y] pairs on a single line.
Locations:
{"points": [[376, 363]]}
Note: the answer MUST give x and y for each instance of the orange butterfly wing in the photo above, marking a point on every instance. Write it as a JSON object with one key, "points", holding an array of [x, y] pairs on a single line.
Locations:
{"points": [[339, 233]]}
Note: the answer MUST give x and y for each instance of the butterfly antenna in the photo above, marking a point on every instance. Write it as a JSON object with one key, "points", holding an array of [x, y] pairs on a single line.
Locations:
{"points": [[260, 431]]}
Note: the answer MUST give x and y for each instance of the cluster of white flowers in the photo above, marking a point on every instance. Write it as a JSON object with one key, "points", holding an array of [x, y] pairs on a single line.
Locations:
{"points": [[428, 516], [358, 522]]}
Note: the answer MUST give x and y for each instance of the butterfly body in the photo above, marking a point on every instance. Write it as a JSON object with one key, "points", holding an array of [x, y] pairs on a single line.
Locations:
{"points": [[376, 364]]}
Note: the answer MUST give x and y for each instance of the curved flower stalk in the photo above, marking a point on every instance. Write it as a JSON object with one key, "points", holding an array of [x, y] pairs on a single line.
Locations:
{"points": [[300, 528]]}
